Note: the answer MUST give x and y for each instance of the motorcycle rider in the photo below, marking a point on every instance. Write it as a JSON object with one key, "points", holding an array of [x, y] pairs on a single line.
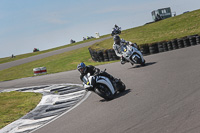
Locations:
{"points": [[116, 27], [84, 70], [117, 47]]}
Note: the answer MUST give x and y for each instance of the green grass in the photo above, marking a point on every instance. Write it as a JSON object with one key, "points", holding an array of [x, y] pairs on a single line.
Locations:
{"points": [[9, 59], [57, 63], [15, 105], [168, 29]]}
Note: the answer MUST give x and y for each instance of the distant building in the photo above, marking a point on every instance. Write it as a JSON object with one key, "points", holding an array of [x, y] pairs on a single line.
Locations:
{"points": [[162, 13]]}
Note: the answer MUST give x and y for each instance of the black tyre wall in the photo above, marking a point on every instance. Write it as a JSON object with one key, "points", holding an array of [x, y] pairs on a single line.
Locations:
{"points": [[93, 54], [169, 45], [100, 55], [165, 47], [192, 40], [198, 39], [186, 42], [153, 48], [180, 43], [175, 44], [110, 57], [96, 55], [105, 55], [160, 47], [144, 48], [115, 57]]}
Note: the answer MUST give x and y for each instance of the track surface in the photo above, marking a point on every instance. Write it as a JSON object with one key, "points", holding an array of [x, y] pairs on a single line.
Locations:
{"points": [[40, 56], [162, 97]]}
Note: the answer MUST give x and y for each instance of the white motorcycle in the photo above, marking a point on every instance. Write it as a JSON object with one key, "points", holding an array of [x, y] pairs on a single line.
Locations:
{"points": [[103, 86], [132, 54]]}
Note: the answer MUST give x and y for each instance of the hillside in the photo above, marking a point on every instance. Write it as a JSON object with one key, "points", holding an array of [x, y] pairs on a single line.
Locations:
{"points": [[168, 29], [22, 56]]}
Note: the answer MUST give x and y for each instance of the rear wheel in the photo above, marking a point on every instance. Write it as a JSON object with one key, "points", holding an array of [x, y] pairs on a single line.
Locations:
{"points": [[104, 92]]}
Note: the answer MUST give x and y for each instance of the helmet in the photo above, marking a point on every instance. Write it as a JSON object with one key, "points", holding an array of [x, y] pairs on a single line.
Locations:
{"points": [[81, 67], [116, 39]]}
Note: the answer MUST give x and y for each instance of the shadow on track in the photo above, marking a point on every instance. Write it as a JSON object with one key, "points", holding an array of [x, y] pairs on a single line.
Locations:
{"points": [[147, 64], [118, 95]]}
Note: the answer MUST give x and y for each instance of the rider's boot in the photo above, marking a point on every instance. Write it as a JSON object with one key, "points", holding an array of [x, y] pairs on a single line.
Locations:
{"points": [[123, 60]]}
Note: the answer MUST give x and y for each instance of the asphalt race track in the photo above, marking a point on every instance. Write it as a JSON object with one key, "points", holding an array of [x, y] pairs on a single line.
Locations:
{"points": [[162, 97]]}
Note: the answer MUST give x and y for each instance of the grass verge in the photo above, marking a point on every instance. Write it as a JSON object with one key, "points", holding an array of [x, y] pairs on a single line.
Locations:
{"points": [[168, 29], [56, 63], [15, 105], [9, 59]]}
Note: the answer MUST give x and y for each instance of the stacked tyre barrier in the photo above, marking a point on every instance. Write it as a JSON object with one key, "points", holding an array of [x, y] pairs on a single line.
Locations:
{"points": [[144, 49], [153, 48], [103, 55], [160, 47], [174, 44], [147, 49]]}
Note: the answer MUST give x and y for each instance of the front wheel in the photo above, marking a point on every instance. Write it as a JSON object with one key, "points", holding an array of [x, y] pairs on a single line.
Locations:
{"points": [[139, 61], [143, 63], [121, 86], [104, 92]]}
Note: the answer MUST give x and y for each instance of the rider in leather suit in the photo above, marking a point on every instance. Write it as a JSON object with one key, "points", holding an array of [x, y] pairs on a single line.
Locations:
{"points": [[84, 70], [117, 47]]}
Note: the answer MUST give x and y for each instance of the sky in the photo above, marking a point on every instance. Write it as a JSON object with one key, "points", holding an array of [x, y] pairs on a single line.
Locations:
{"points": [[45, 24]]}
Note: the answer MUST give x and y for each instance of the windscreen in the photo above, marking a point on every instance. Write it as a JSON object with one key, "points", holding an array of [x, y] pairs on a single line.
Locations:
{"points": [[85, 79]]}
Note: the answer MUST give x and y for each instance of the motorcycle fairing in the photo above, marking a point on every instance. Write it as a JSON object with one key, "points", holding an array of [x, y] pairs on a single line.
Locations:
{"points": [[105, 81]]}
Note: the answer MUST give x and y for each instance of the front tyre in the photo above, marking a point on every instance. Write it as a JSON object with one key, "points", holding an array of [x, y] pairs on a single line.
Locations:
{"points": [[121, 86], [104, 92], [143, 63]]}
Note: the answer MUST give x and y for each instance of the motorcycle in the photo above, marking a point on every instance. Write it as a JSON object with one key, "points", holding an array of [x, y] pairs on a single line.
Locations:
{"points": [[72, 41], [132, 54], [116, 31], [102, 85]]}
